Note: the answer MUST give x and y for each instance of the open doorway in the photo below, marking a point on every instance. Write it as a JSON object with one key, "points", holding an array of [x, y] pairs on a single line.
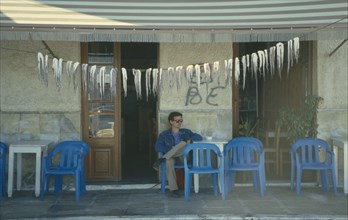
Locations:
{"points": [[138, 115]]}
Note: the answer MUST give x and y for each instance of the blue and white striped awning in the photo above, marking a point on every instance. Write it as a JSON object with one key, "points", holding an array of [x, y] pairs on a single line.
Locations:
{"points": [[173, 21]]}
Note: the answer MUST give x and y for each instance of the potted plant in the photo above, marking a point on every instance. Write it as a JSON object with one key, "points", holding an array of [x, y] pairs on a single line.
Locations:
{"points": [[301, 122]]}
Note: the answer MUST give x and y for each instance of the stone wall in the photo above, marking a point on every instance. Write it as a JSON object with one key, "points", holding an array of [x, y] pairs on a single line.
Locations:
{"points": [[208, 109], [30, 110]]}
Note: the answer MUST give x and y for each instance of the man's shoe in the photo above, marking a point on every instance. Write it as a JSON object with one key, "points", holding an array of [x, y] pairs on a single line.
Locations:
{"points": [[157, 163], [174, 194]]}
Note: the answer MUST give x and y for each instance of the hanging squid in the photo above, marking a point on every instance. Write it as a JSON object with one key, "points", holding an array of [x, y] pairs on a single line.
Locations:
{"points": [[280, 57], [178, 71], [101, 80], [296, 46], [254, 59], [160, 80], [137, 82], [113, 80], [272, 53], [265, 51], [84, 68], [261, 55], [229, 70], [124, 81], [207, 75], [41, 66], [92, 73], [68, 68], [198, 76], [154, 81], [56, 66], [236, 70], [171, 76], [248, 62], [216, 71], [74, 74], [148, 82], [290, 56], [244, 65], [46, 70], [189, 73]]}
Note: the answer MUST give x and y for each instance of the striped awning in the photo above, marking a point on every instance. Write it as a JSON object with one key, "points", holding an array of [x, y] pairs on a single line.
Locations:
{"points": [[173, 21]]}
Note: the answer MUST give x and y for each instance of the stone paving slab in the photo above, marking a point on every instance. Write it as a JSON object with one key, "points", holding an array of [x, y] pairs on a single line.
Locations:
{"points": [[242, 203]]}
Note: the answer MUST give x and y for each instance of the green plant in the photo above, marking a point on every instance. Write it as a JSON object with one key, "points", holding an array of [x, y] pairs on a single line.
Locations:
{"points": [[301, 122], [246, 128]]}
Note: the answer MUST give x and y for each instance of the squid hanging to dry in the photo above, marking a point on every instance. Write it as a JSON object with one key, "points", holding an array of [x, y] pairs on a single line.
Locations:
{"points": [[101, 79], [216, 71], [124, 81], [229, 70], [171, 76], [113, 80], [137, 82], [266, 59], [236, 70], [41, 66], [178, 71], [84, 68], [206, 67], [92, 73], [261, 55], [68, 69], [290, 57], [148, 82], [272, 53], [57, 71], [74, 75], [46, 70], [160, 79], [280, 57], [154, 81], [296, 46], [244, 66], [254, 59], [248, 62], [198, 76], [189, 73]]}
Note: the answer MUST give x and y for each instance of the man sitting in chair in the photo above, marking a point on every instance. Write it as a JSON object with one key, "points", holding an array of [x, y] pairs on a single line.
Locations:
{"points": [[171, 143]]}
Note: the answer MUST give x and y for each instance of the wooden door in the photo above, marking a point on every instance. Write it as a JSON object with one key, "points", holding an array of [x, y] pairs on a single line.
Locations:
{"points": [[101, 111]]}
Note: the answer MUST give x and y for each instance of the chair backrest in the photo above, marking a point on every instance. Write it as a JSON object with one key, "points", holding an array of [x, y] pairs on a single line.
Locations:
{"points": [[68, 153], [202, 154], [243, 151], [3, 150], [308, 150]]}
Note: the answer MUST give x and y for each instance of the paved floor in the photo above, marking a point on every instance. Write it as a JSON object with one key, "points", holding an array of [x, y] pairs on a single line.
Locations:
{"points": [[242, 203]]}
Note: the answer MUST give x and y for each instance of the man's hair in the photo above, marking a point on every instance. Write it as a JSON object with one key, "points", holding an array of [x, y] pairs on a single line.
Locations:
{"points": [[172, 115]]}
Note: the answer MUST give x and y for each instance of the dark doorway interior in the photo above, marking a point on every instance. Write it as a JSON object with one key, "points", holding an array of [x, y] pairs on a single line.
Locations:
{"points": [[138, 115]]}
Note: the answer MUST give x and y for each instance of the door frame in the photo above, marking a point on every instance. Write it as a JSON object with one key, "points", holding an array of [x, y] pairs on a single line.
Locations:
{"points": [[110, 147]]}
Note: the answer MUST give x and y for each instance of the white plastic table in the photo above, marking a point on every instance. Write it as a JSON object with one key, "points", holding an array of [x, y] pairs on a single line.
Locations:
{"points": [[218, 142], [37, 147], [341, 142]]}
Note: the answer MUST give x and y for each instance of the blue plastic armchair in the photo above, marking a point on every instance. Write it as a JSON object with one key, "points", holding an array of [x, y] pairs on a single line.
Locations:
{"points": [[305, 155], [245, 154], [65, 159], [202, 163], [3, 151], [58, 179]]}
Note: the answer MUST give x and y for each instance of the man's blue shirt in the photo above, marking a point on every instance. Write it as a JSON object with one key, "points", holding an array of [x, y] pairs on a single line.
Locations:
{"points": [[166, 141]]}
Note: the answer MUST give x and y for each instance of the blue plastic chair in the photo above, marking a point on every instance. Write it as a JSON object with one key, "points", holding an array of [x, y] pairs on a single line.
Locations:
{"points": [[65, 159], [305, 155], [245, 154], [202, 154], [3, 151], [58, 179], [164, 173]]}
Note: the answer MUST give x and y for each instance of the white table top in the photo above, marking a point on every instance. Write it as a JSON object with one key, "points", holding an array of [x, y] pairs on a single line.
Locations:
{"points": [[213, 141], [28, 143]]}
